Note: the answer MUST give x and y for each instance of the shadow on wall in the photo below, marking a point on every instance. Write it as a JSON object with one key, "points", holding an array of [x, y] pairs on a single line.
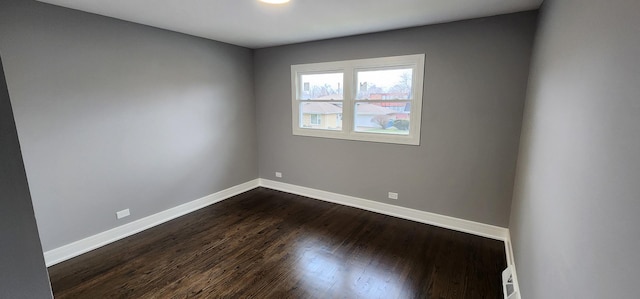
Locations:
{"points": [[22, 270]]}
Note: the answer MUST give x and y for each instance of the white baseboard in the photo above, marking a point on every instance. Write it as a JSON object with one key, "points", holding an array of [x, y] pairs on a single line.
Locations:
{"points": [[509, 250], [79, 247], [471, 227]]}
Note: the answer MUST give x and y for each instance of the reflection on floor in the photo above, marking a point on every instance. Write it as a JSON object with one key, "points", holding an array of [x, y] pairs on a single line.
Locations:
{"points": [[270, 244]]}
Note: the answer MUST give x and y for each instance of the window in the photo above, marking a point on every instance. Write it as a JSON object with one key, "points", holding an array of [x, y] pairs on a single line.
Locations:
{"points": [[316, 119], [377, 99]]}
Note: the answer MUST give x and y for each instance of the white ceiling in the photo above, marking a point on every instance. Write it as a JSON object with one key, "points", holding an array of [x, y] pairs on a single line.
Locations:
{"points": [[254, 24]]}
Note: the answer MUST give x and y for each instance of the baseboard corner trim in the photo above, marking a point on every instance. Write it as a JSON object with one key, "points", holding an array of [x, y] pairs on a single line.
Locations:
{"points": [[462, 225], [79, 247]]}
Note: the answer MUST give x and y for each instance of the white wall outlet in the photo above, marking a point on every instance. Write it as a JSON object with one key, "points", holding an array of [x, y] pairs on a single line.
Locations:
{"points": [[278, 174], [393, 195], [123, 213]]}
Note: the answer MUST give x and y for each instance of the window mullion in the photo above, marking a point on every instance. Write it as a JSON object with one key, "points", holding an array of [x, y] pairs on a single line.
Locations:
{"points": [[349, 96]]}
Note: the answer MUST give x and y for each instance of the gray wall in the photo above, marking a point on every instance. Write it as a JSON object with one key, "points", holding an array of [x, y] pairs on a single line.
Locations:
{"points": [[114, 115], [575, 219], [22, 270], [475, 84]]}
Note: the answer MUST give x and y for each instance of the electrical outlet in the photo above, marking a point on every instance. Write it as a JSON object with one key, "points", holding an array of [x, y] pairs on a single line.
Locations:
{"points": [[393, 195], [123, 213], [278, 174]]}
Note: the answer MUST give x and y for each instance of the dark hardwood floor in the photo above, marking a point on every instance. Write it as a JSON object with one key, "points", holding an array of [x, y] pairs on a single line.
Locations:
{"points": [[270, 244]]}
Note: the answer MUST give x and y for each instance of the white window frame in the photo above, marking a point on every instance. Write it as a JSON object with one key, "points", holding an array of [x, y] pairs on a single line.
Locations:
{"points": [[350, 68]]}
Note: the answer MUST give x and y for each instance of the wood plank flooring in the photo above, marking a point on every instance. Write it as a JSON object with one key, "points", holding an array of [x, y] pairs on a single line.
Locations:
{"points": [[271, 244]]}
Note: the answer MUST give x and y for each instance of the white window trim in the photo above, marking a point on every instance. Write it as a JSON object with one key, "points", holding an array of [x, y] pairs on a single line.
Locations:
{"points": [[348, 68]]}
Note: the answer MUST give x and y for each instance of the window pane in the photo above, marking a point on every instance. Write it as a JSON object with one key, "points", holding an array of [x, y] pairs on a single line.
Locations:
{"points": [[394, 84], [321, 116], [383, 117], [321, 86]]}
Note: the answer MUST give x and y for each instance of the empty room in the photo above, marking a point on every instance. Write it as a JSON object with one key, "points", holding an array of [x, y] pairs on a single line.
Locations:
{"points": [[319, 149]]}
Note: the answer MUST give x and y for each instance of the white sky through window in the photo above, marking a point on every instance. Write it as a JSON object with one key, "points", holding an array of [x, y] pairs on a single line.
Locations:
{"points": [[383, 79]]}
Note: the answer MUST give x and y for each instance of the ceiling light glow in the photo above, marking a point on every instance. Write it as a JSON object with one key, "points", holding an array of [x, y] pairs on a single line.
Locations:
{"points": [[275, 1]]}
